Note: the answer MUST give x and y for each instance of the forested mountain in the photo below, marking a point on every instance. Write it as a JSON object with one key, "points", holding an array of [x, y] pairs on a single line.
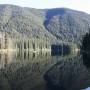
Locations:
{"points": [[51, 24], [67, 24]]}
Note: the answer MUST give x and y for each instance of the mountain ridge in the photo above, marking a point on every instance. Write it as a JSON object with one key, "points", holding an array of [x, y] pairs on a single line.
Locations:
{"points": [[54, 24]]}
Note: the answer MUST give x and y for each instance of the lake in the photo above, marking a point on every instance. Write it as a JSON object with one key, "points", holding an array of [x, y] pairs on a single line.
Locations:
{"points": [[43, 71]]}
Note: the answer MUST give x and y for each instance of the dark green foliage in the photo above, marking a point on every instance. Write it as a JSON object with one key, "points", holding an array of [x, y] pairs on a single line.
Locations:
{"points": [[86, 49], [86, 42]]}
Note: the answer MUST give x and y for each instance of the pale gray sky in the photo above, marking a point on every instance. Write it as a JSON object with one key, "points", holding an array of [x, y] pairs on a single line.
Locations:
{"points": [[81, 5]]}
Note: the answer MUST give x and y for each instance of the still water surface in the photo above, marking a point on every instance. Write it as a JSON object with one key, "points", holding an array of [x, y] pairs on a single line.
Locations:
{"points": [[43, 71]]}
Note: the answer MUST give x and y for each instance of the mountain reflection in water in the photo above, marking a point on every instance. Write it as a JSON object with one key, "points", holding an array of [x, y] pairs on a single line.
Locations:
{"points": [[42, 71], [69, 74]]}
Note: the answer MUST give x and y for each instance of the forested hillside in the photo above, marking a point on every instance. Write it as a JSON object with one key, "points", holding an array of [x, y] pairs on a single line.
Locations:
{"points": [[46, 24], [67, 24]]}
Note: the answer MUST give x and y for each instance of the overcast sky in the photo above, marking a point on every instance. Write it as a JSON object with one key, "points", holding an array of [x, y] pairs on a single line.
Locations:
{"points": [[81, 5]]}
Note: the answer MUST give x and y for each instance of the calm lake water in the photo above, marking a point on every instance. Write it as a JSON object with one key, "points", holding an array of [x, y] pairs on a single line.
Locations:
{"points": [[43, 71]]}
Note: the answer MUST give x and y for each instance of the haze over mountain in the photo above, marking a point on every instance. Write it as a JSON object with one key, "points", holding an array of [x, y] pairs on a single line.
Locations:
{"points": [[51, 24]]}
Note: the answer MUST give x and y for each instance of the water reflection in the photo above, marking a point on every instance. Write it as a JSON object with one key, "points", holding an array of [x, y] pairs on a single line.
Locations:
{"points": [[68, 74], [25, 71]]}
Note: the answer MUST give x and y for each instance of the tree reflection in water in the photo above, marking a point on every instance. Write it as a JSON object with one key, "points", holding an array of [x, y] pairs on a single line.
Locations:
{"points": [[25, 71], [69, 74]]}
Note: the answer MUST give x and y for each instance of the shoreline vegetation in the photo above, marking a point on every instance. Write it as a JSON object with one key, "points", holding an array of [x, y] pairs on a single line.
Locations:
{"points": [[86, 43], [85, 49], [8, 43]]}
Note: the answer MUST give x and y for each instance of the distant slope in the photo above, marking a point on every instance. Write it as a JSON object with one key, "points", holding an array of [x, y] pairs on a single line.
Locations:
{"points": [[60, 23], [67, 24]]}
